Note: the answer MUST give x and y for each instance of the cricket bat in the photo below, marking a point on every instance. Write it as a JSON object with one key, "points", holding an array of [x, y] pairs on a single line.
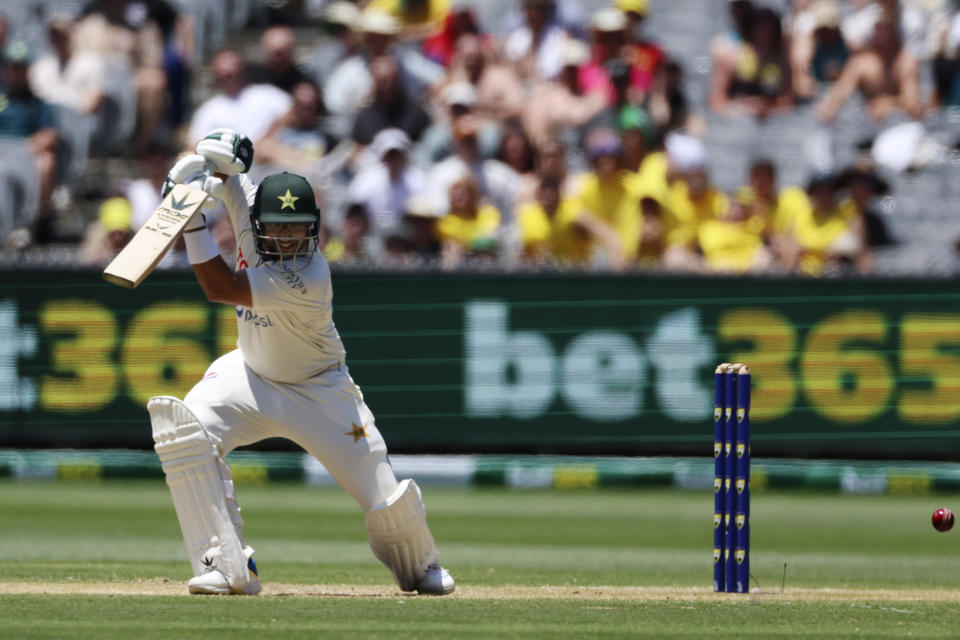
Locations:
{"points": [[135, 262]]}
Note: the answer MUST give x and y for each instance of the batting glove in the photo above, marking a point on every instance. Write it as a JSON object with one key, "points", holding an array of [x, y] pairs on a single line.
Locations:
{"points": [[227, 151], [193, 171]]}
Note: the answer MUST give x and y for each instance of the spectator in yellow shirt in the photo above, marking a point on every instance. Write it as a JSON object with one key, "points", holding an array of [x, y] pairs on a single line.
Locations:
{"points": [[779, 209], [829, 233], [608, 208], [549, 229], [652, 243], [690, 199], [469, 228], [735, 243]]}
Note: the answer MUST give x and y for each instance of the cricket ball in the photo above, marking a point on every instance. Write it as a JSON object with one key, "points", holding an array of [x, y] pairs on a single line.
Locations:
{"points": [[942, 519]]}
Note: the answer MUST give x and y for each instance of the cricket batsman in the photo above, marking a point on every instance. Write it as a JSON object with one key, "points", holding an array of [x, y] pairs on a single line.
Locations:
{"points": [[287, 378]]}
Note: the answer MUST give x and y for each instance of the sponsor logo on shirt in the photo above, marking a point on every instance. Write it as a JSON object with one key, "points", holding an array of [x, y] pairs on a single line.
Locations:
{"points": [[293, 279], [257, 320]]}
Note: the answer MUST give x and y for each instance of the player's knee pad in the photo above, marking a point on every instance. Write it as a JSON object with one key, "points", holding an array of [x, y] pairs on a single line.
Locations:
{"points": [[400, 537], [192, 465]]}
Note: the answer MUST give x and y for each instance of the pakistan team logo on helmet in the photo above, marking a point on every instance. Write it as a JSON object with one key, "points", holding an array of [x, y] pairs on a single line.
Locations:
{"points": [[285, 199]]}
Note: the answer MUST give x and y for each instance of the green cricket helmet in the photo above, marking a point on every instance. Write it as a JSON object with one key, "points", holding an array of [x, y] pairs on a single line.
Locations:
{"points": [[284, 198]]}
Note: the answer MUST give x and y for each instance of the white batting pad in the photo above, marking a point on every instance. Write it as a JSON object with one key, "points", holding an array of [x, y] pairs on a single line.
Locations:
{"points": [[400, 537], [195, 475]]}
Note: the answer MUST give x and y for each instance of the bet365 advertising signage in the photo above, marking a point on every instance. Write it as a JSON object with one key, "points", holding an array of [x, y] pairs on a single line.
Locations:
{"points": [[491, 363]]}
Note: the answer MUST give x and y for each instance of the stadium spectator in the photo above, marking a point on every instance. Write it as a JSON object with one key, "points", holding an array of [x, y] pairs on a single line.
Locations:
{"points": [[237, 105], [560, 107], [354, 245], [296, 140], [516, 152], [886, 74], [500, 94], [417, 18], [351, 83], [549, 230], [609, 209], [125, 34], [28, 120], [471, 226], [419, 237], [691, 199], [666, 103], [829, 233], [607, 40], [864, 187], [493, 180], [734, 242], [553, 163], [391, 107], [535, 48], [440, 47], [279, 67], [384, 187], [178, 37], [618, 74], [817, 49], [455, 100], [644, 56], [652, 244], [416, 243], [109, 233], [754, 77], [946, 67], [859, 25], [637, 134], [74, 80], [778, 209], [339, 20], [726, 45]]}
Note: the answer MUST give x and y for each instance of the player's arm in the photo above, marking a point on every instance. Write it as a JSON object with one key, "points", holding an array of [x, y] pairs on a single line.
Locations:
{"points": [[219, 282], [228, 153]]}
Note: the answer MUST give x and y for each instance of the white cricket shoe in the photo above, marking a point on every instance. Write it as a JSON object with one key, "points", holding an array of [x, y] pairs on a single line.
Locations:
{"points": [[213, 582], [435, 581]]}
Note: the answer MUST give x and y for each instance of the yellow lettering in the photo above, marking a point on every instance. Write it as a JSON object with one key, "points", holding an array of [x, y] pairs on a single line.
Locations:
{"points": [[82, 336], [924, 338], [772, 342], [842, 379], [164, 353]]}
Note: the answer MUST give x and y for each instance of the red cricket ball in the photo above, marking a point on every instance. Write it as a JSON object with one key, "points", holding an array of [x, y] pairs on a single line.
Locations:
{"points": [[942, 519]]}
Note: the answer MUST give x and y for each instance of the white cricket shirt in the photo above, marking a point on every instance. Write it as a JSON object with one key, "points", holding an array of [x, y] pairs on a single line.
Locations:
{"points": [[288, 335]]}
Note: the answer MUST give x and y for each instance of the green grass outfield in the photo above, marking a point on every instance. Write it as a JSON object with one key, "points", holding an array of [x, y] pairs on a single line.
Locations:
{"points": [[105, 560]]}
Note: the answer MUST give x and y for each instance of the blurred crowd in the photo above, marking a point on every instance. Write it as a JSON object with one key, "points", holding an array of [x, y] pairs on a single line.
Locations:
{"points": [[563, 138]]}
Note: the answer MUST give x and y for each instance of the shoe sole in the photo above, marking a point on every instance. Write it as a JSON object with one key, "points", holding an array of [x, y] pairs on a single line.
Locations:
{"points": [[444, 592], [208, 591], [204, 590]]}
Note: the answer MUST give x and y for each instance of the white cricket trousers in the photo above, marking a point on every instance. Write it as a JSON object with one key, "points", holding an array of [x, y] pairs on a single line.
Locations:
{"points": [[326, 415]]}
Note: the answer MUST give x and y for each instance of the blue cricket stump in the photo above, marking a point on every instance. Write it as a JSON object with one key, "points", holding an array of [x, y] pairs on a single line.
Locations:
{"points": [[731, 482], [719, 470], [742, 515]]}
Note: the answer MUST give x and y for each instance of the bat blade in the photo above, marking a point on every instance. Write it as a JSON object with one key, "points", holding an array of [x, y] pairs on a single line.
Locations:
{"points": [[148, 246]]}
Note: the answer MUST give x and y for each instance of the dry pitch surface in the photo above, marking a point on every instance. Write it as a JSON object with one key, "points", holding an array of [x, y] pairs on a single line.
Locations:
{"points": [[164, 587]]}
